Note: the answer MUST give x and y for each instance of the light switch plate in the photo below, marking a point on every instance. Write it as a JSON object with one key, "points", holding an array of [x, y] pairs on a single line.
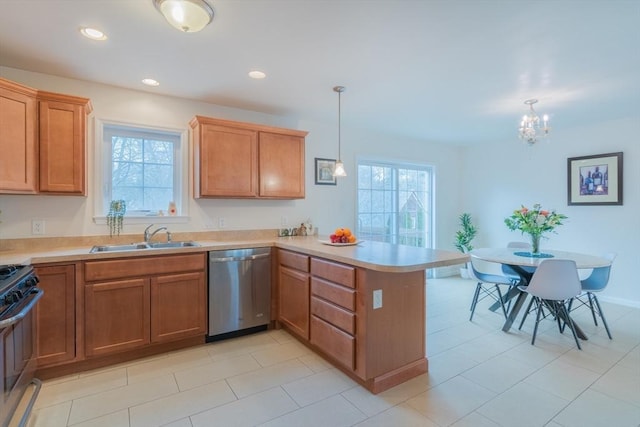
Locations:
{"points": [[377, 299]]}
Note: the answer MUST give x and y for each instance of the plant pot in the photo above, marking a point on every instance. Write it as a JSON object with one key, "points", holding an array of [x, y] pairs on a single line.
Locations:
{"points": [[464, 273]]}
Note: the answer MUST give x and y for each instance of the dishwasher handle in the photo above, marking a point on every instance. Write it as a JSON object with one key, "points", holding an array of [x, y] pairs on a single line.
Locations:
{"points": [[239, 258]]}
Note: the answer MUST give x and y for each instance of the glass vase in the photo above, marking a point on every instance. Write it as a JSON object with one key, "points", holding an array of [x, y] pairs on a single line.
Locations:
{"points": [[535, 244]]}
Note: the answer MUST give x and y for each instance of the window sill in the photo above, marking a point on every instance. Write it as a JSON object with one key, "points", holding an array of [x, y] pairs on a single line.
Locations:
{"points": [[146, 219]]}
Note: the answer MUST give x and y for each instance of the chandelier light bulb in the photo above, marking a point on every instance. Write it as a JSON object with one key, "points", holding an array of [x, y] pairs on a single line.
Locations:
{"points": [[530, 129]]}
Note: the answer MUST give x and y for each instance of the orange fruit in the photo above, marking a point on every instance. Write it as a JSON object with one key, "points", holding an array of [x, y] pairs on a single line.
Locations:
{"points": [[347, 232], [339, 232], [352, 239]]}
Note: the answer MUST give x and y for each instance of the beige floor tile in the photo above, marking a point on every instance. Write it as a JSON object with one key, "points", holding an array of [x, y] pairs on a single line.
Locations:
{"points": [[250, 411], [185, 422], [632, 359], [594, 409], [57, 392], [114, 400], [448, 364], [281, 336], [214, 371], [51, 416], [448, 402], [276, 354], [314, 388], [115, 419], [563, 380], [452, 337], [499, 374], [592, 357], [523, 405], [401, 415], [621, 382], [334, 411], [315, 362], [240, 346], [174, 363], [536, 355], [474, 419], [490, 345], [180, 405], [266, 378]]}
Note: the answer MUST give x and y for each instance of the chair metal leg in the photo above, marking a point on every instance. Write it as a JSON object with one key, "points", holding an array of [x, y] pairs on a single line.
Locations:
{"points": [[539, 311], [475, 300], [569, 321], [526, 313], [601, 314], [501, 300], [593, 313]]}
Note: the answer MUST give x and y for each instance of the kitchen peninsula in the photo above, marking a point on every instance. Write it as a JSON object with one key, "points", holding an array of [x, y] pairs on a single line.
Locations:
{"points": [[362, 307]]}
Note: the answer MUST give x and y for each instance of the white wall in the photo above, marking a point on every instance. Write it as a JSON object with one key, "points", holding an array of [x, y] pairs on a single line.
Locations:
{"points": [[501, 177], [327, 206]]}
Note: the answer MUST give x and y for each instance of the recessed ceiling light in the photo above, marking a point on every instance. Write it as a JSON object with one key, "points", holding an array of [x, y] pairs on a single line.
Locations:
{"points": [[93, 34], [255, 74], [150, 82]]}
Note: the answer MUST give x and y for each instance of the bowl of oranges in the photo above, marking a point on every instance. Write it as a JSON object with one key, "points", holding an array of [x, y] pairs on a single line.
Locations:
{"points": [[341, 237]]}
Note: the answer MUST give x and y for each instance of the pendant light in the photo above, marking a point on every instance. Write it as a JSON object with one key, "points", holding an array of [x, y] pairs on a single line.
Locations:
{"points": [[339, 169]]}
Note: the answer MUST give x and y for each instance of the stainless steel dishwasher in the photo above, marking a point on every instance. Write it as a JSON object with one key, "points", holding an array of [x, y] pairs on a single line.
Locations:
{"points": [[239, 292]]}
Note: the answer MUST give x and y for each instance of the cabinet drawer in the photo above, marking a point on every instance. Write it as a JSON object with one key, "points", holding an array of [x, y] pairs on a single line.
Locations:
{"points": [[294, 260], [332, 341], [338, 273], [337, 316], [136, 267], [344, 297]]}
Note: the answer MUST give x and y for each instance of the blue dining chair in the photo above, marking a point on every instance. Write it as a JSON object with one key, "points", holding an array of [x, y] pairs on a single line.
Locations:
{"points": [[510, 272], [554, 283], [483, 291], [596, 282]]}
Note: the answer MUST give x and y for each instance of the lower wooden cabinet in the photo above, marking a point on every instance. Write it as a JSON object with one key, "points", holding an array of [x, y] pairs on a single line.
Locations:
{"points": [[162, 304], [55, 315], [293, 292]]}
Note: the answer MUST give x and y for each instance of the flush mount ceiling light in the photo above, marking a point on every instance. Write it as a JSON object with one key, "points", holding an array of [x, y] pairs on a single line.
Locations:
{"points": [[150, 82], [185, 15], [93, 34], [339, 170], [255, 74], [530, 127]]}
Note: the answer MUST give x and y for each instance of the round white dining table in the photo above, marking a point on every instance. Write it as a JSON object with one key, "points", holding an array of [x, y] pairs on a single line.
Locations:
{"points": [[517, 260]]}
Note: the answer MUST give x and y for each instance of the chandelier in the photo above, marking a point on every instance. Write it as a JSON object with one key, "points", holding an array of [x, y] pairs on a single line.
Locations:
{"points": [[531, 127], [189, 16]]}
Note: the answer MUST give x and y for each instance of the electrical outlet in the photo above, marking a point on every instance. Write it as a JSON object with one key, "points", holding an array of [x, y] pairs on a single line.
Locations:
{"points": [[377, 298], [37, 226], [284, 221], [221, 222]]}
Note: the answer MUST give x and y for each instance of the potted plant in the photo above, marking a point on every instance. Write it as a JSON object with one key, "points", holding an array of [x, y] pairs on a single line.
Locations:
{"points": [[464, 236], [117, 209]]}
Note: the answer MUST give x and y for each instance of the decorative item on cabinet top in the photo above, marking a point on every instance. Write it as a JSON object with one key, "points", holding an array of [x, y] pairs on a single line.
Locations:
{"points": [[246, 160]]}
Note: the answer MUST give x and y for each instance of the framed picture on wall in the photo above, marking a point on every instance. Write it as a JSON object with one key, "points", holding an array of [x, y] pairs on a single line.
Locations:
{"points": [[324, 171], [595, 180]]}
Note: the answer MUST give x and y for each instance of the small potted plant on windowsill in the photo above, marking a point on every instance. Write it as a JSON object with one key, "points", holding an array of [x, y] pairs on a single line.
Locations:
{"points": [[464, 236], [115, 216]]}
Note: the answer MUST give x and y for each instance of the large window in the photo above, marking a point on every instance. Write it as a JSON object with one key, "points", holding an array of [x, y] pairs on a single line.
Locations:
{"points": [[142, 167], [395, 203]]}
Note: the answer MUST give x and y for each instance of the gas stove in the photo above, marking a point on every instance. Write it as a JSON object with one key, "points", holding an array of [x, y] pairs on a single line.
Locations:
{"points": [[17, 282]]}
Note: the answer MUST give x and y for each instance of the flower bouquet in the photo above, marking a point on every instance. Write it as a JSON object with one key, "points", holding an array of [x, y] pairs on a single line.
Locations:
{"points": [[534, 222]]}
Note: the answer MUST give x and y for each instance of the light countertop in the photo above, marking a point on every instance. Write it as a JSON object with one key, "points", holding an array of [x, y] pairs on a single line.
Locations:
{"points": [[371, 255]]}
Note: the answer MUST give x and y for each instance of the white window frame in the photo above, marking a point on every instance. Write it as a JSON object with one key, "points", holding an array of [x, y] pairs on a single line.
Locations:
{"points": [[103, 164]]}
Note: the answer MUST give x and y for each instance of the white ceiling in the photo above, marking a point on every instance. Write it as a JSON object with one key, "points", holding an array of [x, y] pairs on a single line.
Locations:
{"points": [[441, 70]]}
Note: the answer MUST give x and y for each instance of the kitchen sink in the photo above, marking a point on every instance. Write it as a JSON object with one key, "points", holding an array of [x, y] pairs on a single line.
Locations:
{"points": [[118, 248], [143, 245], [176, 244]]}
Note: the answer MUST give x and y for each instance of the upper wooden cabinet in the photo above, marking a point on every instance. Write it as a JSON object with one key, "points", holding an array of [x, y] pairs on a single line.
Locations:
{"points": [[240, 160], [62, 142], [18, 138], [44, 136]]}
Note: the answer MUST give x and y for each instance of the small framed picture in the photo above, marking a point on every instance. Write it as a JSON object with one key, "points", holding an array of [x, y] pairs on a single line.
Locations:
{"points": [[595, 180], [324, 171]]}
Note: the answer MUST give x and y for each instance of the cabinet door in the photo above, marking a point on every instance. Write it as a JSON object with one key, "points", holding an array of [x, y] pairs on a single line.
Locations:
{"points": [[117, 316], [55, 315], [178, 306], [17, 139], [62, 147], [294, 300], [281, 166], [227, 161]]}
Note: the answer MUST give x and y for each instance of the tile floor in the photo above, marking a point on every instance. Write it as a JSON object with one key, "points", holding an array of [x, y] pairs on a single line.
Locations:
{"points": [[478, 376]]}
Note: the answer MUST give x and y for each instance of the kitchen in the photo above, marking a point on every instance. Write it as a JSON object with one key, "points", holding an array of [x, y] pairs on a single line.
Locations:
{"points": [[537, 169]]}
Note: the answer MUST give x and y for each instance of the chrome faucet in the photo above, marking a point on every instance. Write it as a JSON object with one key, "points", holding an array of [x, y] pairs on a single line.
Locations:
{"points": [[148, 235]]}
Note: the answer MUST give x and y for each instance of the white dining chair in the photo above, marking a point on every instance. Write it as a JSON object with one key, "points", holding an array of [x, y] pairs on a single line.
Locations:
{"points": [[596, 282], [510, 272], [483, 291], [554, 283]]}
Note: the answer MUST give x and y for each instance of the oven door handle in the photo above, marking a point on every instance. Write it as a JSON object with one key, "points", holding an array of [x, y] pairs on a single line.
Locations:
{"points": [[35, 295]]}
